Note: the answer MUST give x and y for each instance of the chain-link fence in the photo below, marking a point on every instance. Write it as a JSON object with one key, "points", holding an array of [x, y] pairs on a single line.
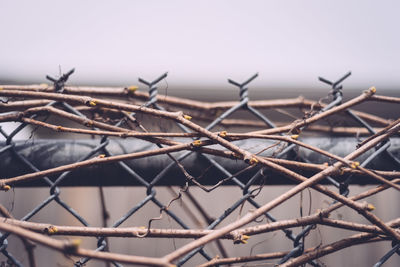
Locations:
{"points": [[147, 140]]}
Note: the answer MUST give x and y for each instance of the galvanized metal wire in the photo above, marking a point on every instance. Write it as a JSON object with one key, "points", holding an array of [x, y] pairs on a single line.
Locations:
{"points": [[120, 118]]}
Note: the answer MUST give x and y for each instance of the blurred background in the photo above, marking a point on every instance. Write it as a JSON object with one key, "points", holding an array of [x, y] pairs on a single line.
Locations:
{"points": [[200, 44]]}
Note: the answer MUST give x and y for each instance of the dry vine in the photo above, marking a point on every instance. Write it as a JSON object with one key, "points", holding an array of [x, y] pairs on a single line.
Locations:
{"points": [[96, 116]]}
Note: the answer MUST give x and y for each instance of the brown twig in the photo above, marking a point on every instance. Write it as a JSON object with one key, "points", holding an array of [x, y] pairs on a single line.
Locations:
{"points": [[188, 103], [29, 246], [139, 232], [306, 183], [72, 248], [333, 247], [118, 108]]}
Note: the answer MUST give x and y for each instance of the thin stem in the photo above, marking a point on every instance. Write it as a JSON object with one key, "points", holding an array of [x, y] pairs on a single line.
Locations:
{"points": [[306, 183], [72, 248]]}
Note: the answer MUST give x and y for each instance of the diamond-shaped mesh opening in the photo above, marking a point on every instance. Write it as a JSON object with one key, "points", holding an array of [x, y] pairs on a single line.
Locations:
{"points": [[196, 177]]}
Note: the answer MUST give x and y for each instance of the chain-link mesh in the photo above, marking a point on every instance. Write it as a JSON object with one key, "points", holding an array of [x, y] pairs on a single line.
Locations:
{"points": [[109, 114]]}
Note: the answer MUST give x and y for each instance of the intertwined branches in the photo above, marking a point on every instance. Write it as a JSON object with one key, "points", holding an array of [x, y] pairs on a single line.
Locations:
{"points": [[123, 112]]}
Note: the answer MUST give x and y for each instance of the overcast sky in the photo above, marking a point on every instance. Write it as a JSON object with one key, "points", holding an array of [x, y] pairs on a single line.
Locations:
{"points": [[201, 43]]}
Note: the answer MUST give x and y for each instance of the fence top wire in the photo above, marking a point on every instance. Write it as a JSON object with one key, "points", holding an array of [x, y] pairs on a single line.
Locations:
{"points": [[197, 140]]}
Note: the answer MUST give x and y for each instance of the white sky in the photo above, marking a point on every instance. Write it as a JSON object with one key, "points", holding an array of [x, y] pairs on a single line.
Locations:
{"points": [[202, 43]]}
